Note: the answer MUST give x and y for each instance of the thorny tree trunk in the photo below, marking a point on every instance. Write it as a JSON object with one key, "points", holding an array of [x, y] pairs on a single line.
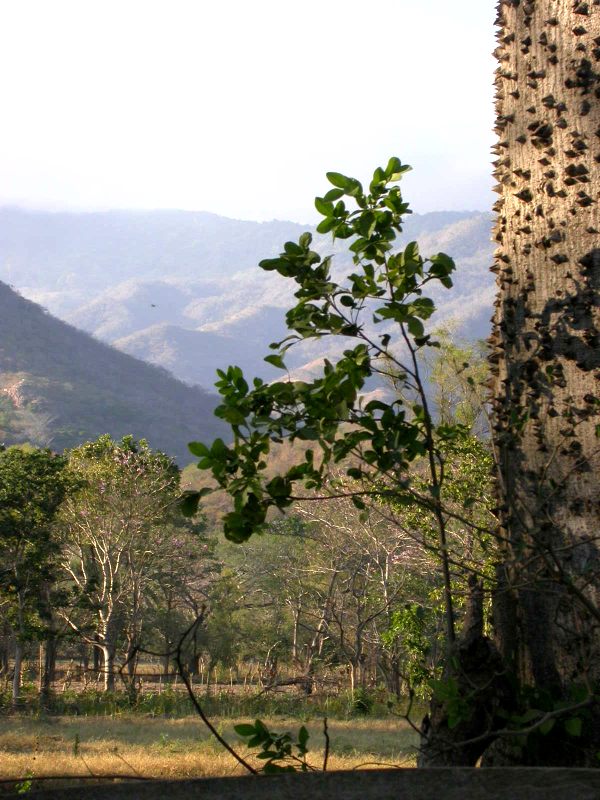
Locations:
{"points": [[546, 343], [545, 360]]}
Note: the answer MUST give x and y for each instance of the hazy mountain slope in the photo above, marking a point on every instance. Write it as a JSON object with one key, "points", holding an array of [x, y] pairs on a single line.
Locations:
{"points": [[134, 305], [195, 356], [61, 386], [155, 284]]}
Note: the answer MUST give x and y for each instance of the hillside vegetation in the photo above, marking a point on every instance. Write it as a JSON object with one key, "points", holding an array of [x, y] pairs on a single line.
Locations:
{"points": [[60, 386]]}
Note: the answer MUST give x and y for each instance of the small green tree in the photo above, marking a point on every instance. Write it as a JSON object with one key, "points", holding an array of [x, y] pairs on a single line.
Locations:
{"points": [[381, 308], [33, 484]]}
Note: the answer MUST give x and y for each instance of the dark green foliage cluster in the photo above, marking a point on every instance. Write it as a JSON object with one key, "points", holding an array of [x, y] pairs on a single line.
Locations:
{"points": [[33, 484], [279, 751]]}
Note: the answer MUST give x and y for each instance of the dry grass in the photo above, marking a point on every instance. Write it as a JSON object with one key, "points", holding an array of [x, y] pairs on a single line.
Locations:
{"points": [[178, 748]]}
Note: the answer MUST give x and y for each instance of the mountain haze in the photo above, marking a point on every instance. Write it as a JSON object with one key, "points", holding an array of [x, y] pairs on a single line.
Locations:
{"points": [[182, 289]]}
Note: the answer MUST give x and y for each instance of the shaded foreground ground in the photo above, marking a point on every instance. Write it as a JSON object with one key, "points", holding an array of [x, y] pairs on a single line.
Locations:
{"points": [[178, 748], [450, 783]]}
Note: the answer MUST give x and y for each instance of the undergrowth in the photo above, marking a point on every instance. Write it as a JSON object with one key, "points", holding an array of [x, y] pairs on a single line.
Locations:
{"points": [[175, 703]]}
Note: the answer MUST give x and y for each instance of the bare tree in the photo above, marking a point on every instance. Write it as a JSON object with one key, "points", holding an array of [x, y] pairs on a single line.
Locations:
{"points": [[111, 539]]}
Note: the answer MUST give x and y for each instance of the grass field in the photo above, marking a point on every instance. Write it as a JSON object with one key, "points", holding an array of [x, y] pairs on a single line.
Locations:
{"points": [[179, 748]]}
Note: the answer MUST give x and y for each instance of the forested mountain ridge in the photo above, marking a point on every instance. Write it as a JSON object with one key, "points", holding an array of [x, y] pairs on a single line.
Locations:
{"points": [[182, 289], [60, 387]]}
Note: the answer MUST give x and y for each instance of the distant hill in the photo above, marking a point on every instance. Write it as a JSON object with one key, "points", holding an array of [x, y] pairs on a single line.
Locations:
{"points": [[60, 386], [196, 355], [75, 256], [182, 290]]}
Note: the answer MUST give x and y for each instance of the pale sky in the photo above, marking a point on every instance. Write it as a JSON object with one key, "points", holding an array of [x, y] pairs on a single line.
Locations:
{"points": [[240, 107]]}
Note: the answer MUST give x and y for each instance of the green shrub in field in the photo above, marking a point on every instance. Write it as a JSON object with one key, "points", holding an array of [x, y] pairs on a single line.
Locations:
{"points": [[362, 701]]}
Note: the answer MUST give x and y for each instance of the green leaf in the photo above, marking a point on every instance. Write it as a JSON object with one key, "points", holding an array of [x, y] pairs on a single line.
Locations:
{"points": [[415, 326], [189, 503], [333, 195], [302, 736], [403, 169], [198, 449], [244, 730], [255, 741], [276, 361], [339, 180], [292, 249], [529, 715], [411, 252], [573, 726], [578, 692], [326, 225], [366, 224], [393, 167], [278, 487], [355, 188], [218, 449], [324, 207], [547, 726], [266, 264]]}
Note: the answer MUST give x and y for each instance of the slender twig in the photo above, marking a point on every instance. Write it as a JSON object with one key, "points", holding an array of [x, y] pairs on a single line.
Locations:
{"points": [[176, 653], [199, 710], [406, 715], [87, 766], [124, 760], [327, 744]]}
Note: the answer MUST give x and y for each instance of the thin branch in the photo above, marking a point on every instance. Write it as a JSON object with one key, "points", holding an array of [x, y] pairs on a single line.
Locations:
{"points": [[196, 704], [327, 744]]}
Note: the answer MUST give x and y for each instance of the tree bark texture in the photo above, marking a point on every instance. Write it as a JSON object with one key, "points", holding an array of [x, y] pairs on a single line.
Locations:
{"points": [[108, 659], [48, 665], [18, 668], [545, 365], [545, 356], [477, 672]]}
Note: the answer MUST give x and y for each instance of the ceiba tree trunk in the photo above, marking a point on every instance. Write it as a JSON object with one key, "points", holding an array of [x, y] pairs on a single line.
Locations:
{"points": [[545, 365], [545, 355]]}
